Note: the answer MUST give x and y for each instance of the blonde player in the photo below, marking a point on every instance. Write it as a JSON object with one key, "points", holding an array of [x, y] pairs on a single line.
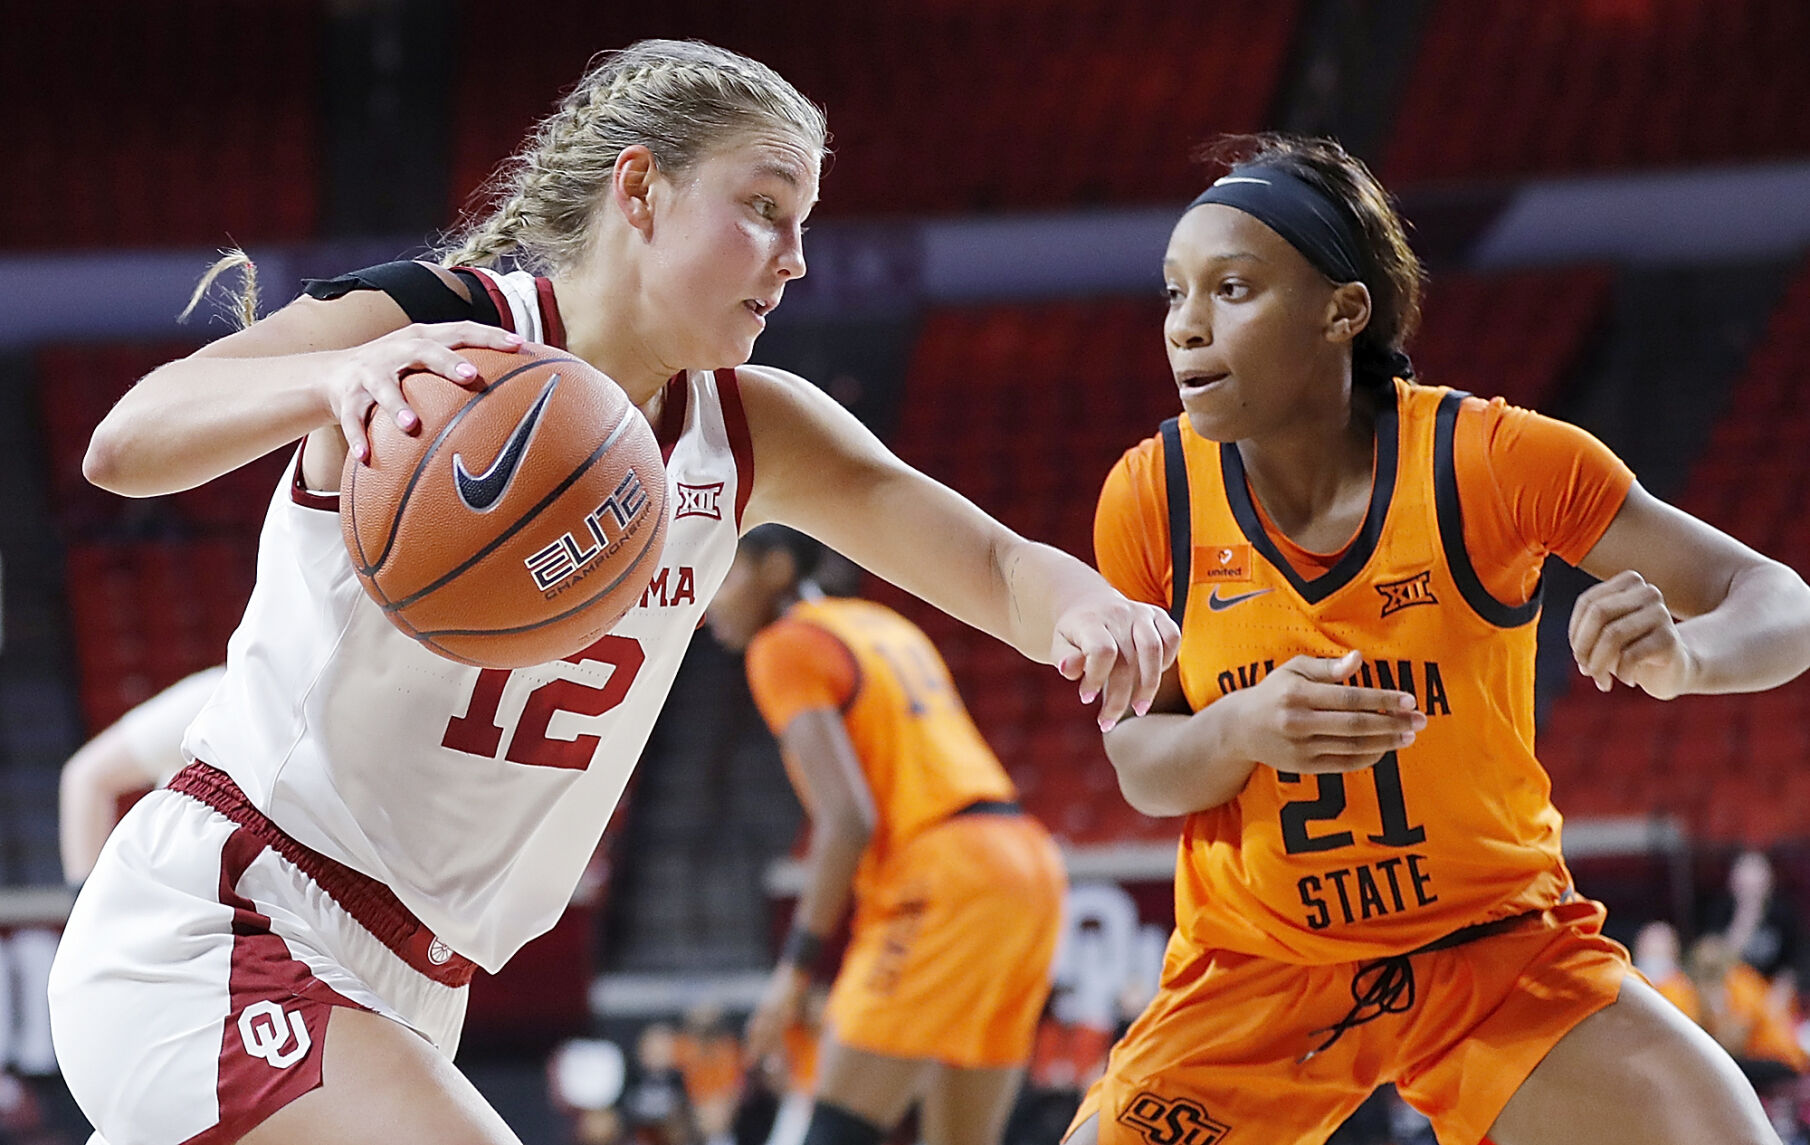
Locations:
{"points": [[957, 893], [143, 748], [276, 947]]}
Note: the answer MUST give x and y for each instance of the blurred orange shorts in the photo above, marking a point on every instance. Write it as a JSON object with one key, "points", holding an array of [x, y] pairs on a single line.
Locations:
{"points": [[950, 959]]}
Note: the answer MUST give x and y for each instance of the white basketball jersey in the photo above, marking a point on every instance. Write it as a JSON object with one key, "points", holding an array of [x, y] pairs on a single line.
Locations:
{"points": [[478, 796]]}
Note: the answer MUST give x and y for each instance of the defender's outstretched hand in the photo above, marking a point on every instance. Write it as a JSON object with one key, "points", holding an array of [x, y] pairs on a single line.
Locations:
{"points": [[1116, 649]]}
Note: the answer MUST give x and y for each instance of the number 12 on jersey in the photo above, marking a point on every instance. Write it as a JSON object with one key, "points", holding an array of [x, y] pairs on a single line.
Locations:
{"points": [[479, 731]]}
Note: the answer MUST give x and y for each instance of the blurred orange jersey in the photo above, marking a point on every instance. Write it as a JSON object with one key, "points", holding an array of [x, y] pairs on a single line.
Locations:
{"points": [[1744, 999], [1438, 590], [920, 752]]}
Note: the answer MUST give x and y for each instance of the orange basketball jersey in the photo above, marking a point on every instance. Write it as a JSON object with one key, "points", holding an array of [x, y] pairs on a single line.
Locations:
{"points": [[1455, 829], [920, 752]]}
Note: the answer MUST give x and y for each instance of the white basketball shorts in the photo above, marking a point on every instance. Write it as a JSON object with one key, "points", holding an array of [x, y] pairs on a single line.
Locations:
{"points": [[190, 993]]}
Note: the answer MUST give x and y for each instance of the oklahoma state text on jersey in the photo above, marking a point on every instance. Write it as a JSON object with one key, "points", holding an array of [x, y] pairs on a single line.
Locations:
{"points": [[1438, 593]]}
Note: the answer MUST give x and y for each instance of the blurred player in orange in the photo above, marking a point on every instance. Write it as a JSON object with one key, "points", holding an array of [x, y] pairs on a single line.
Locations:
{"points": [[957, 893], [1658, 956], [142, 749], [1370, 887], [710, 1058], [1739, 1008]]}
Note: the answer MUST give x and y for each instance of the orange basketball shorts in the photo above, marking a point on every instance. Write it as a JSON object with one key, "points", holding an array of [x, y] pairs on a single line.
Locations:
{"points": [[1219, 1049], [950, 957]]}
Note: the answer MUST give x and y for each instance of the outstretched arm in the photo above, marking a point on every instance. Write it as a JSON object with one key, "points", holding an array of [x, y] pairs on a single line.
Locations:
{"points": [[1684, 607], [818, 469]]}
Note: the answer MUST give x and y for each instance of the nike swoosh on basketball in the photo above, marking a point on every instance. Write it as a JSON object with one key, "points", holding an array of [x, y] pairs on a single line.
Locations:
{"points": [[1220, 603], [483, 491]]}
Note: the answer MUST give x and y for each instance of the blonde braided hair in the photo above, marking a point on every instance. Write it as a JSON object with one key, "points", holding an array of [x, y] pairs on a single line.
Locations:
{"points": [[244, 302], [678, 98]]}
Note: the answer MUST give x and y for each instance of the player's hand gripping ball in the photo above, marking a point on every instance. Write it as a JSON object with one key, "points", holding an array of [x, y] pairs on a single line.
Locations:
{"points": [[521, 522]]}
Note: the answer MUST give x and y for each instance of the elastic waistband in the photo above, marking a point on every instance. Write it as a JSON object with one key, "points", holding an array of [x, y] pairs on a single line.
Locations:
{"points": [[371, 904], [1475, 931], [989, 807]]}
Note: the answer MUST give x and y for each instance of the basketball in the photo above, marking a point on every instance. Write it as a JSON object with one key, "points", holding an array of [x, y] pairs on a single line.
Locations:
{"points": [[521, 522]]}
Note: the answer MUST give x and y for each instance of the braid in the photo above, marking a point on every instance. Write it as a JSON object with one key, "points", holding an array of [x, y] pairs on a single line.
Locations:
{"points": [[488, 241], [244, 304], [624, 81], [522, 182], [676, 98]]}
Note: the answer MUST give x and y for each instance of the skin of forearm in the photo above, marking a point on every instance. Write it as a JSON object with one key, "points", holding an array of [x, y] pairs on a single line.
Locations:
{"points": [[194, 419], [835, 853], [86, 821], [1041, 582], [1174, 764], [1757, 638]]}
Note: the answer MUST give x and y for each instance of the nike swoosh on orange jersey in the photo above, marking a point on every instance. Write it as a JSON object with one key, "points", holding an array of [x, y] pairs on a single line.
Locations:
{"points": [[1220, 603]]}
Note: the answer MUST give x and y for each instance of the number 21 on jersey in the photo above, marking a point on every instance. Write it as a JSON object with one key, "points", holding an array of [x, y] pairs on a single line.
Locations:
{"points": [[1298, 838], [480, 732]]}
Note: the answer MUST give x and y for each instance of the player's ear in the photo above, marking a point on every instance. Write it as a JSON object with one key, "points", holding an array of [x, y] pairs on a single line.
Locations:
{"points": [[1347, 312], [631, 182]]}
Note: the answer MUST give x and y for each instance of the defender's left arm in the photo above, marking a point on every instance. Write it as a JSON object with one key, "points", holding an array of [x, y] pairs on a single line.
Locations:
{"points": [[820, 470], [1684, 607]]}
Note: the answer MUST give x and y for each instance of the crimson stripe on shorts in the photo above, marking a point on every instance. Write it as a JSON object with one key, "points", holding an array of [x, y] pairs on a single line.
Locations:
{"points": [[371, 904], [553, 331], [249, 1087], [741, 443]]}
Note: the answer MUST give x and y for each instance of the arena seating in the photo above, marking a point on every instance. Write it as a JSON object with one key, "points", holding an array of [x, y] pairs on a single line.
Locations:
{"points": [[1102, 112], [175, 124], [155, 586], [1601, 85], [1731, 767], [1511, 335], [144, 614]]}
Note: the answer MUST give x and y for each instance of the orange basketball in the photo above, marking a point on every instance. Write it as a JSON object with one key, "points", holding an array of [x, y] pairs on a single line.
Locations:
{"points": [[521, 522]]}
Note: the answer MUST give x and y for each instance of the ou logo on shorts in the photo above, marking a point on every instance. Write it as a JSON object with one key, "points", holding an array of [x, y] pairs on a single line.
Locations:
{"points": [[265, 1034]]}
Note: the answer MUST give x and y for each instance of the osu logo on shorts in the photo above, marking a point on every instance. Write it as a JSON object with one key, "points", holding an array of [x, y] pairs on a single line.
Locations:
{"points": [[1173, 1121], [266, 1035]]}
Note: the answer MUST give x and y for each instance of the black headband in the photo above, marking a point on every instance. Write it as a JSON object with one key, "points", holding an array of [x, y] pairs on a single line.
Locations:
{"points": [[1313, 225], [1294, 209]]}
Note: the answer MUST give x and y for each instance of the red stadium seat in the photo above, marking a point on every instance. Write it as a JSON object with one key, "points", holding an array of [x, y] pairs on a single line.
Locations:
{"points": [[190, 122], [1725, 764], [1560, 87], [1136, 82]]}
